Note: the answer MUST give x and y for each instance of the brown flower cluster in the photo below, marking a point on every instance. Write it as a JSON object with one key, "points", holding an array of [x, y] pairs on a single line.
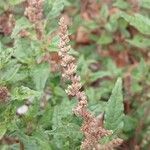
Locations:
{"points": [[7, 23], [91, 127], [4, 94], [34, 12]]}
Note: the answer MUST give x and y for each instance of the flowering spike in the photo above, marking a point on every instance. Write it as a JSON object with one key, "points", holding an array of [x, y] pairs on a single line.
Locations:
{"points": [[91, 126]]}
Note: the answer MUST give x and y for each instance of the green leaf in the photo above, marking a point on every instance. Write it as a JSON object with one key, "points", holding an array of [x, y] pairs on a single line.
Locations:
{"points": [[141, 71], [42, 139], [112, 25], [130, 124], [59, 91], [3, 130], [140, 22], [145, 3], [21, 93], [121, 4], [29, 142], [62, 111], [111, 66], [9, 70], [68, 133], [20, 76], [54, 7], [105, 39], [63, 129], [104, 12], [53, 47], [15, 2], [98, 108], [100, 74], [26, 49], [3, 6], [40, 74], [5, 55], [140, 41], [114, 110]]}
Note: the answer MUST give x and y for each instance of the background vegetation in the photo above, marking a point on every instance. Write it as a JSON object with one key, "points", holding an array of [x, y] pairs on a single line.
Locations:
{"points": [[109, 38]]}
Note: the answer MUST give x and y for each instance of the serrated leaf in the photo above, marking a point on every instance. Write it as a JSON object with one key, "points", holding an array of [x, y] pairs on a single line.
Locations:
{"points": [[140, 22], [40, 74], [114, 110]]}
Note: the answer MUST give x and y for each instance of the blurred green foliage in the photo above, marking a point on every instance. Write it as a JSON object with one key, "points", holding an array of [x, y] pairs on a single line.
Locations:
{"points": [[117, 45]]}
